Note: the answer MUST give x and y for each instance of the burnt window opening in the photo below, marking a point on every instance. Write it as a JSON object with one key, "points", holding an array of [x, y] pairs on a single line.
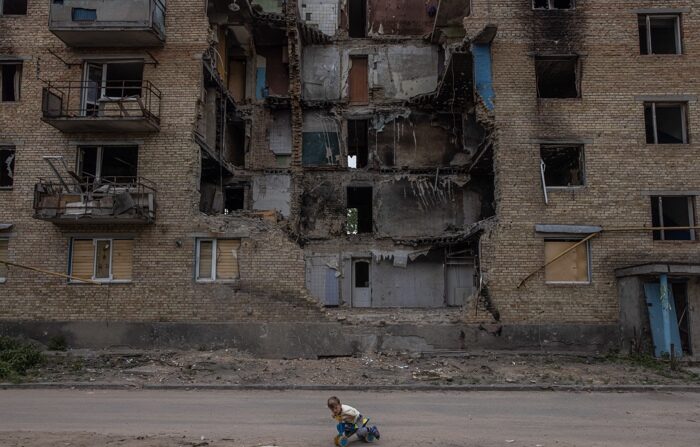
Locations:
{"points": [[13, 7], [673, 211], [563, 166], [234, 199], [357, 18], [659, 34], [359, 210], [358, 144], [553, 4], [7, 167], [680, 300], [558, 76], [108, 164], [666, 123], [10, 81], [362, 274]]}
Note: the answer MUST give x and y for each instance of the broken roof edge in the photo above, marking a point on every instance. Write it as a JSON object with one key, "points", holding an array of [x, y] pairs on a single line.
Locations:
{"points": [[567, 229]]}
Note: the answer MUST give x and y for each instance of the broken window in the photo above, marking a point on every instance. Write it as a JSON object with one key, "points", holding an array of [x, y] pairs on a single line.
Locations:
{"points": [[666, 123], [553, 4], [558, 76], [10, 81], [4, 257], [573, 267], [114, 164], [217, 259], [358, 150], [362, 274], [234, 199], [102, 259], [13, 7], [562, 166], [113, 80], [659, 34], [359, 210], [357, 18], [7, 167], [358, 80], [673, 211]]}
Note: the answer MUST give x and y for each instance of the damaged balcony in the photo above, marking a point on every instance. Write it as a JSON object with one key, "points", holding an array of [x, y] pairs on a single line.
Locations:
{"points": [[97, 23], [114, 200], [107, 106]]}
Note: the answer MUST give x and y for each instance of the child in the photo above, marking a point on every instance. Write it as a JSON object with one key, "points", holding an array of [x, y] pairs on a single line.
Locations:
{"points": [[351, 422]]}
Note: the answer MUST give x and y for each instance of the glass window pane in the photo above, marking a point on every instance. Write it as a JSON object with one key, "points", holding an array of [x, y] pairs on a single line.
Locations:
{"points": [[669, 124], [205, 265], [675, 214]]}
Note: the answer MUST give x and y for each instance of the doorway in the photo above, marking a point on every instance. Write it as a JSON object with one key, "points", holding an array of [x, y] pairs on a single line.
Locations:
{"points": [[361, 289]]}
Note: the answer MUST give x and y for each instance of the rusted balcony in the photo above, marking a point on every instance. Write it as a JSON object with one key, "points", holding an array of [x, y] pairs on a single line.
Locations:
{"points": [[104, 201], [111, 106], [108, 23]]}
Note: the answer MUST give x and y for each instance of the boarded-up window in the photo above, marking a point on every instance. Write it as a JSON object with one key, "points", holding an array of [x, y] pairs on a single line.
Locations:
{"points": [[3, 257], [102, 259], [573, 267], [217, 259], [358, 80]]}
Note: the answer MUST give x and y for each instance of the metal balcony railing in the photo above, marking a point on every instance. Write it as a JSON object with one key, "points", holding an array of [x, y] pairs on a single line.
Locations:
{"points": [[104, 200]]}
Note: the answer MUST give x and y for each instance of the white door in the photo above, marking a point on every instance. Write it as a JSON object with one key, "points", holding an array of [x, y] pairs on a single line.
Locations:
{"points": [[361, 289]]}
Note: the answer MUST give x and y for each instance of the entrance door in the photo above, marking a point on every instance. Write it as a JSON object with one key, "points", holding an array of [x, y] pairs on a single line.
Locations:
{"points": [[458, 284], [361, 290]]}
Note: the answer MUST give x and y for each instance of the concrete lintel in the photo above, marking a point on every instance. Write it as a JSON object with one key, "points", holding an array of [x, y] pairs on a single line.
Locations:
{"points": [[552, 54], [662, 10], [213, 235], [562, 141], [671, 193], [638, 270], [486, 35], [666, 98], [106, 142], [14, 58], [101, 235], [684, 269], [567, 229]]}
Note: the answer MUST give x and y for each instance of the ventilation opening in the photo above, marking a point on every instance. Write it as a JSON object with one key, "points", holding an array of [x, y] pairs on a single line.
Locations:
{"points": [[557, 77], [357, 17], [359, 210], [358, 150], [563, 166]]}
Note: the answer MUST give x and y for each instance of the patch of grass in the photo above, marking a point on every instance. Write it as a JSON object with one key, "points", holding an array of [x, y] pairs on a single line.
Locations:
{"points": [[16, 358], [57, 343]]}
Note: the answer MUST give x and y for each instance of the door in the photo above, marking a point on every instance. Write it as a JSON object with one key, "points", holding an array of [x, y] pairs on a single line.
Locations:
{"points": [[458, 284], [92, 89], [361, 290], [652, 292], [358, 80]]}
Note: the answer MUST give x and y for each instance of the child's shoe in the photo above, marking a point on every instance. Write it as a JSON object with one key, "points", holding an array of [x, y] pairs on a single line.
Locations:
{"points": [[375, 431]]}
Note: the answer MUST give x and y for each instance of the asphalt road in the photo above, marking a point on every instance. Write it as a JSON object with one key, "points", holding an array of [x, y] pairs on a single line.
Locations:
{"points": [[299, 418]]}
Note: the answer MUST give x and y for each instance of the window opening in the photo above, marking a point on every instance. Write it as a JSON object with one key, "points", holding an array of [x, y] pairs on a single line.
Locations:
{"points": [[673, 211], [235, 199], [7, 167], [13, 7], [573, 267], [558, 77], [217, 259], [659, 34], [114, 80], [553, 4], [563, 166], [83, 15], [10, 81], [359, 210], [666, 123], [117, 164], [361, 274], [205, 256], [3, 255], [357, 17], [358, 150]]}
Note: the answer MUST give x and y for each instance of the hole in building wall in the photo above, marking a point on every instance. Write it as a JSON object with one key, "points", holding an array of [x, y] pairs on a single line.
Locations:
{"points": [[358, 147], [234, 198], [557, 77], [357, 18], [563, 165], [359, 210], [13, 7]]}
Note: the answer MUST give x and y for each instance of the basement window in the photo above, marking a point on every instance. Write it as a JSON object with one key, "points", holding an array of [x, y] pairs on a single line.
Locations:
{"points": [[217, 260], [359, 210], [102, 259], [562, 166], [357, 18], [573, 267], [10, 81], [7, 167], [673, 211], [358, 147], [558, 76], [109, 164], [659, 34], [13, 7], [553, 4], [3, 256], [666, 123]]}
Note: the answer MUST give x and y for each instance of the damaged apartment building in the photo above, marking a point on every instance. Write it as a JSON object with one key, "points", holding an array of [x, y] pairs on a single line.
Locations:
{"points": [[318, 177]]}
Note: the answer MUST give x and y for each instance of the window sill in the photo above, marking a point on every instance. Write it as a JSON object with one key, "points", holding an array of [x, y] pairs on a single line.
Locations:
{"points": [[669, 145], [565, 188], [675, 241], [217, 281], [6, 188]]}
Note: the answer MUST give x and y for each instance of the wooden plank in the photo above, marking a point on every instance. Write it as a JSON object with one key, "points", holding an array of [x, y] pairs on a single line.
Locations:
{"points": [[82, 258], [122, 259], [358, 80], [227, 258], [570, 267]]}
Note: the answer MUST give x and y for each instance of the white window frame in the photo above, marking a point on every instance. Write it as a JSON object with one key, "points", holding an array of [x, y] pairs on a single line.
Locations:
{"points": [[588, 259], [3, 279], [684, 119], [214, 249], [109, 280], [550, 6], [691, 219], [679, 39]]}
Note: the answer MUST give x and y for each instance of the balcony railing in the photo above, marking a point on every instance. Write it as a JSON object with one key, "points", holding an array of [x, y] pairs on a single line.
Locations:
{"points": [[111, 106], [100, 23], [106, 200]]}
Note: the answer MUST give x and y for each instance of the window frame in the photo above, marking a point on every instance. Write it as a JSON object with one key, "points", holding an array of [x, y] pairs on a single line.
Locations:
{"points": [[3, 279], [589, 260], [214, 254], [110, 280], [99, 158], [20, 70], [582, 161], [550, 6], [660, 209], [578, 75], [684, 121], [677, 29], [13, 149]]}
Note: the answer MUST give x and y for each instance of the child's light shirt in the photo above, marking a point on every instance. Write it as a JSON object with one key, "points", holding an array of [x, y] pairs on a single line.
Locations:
{"points": [[347, 414]]}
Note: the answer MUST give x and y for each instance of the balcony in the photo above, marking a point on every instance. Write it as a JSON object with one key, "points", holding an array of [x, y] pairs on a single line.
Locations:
{"points": [[108, 23], [113, 106], [107, 201]]}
